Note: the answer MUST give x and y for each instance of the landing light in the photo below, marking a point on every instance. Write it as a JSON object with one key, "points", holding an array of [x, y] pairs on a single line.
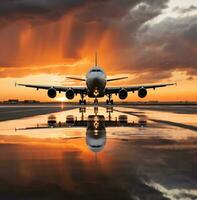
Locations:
{"points": [[96, 92], [95, 132]]}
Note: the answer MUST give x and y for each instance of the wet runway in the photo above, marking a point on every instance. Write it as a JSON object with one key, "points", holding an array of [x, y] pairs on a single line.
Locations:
{"points": [[17, 112], [100, 153]]}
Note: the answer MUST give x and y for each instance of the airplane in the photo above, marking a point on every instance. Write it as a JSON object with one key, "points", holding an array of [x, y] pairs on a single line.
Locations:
{"points": [[96, 87]]}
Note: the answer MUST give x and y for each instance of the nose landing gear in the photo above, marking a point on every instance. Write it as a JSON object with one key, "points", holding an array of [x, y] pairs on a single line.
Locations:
{"points": [[95, 101]]}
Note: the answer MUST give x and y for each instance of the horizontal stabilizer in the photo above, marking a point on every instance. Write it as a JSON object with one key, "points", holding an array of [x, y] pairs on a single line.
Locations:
{"points": [[116, 79], [78, 79]]}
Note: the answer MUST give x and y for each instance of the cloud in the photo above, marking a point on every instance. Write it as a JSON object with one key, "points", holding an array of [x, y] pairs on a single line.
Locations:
{"points": [[185, 10], [48, 32], [169, 45], [37, 9]]}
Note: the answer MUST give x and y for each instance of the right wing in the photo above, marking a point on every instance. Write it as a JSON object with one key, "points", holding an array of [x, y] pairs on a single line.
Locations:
{"points": [[114, 90], [76, 90]]}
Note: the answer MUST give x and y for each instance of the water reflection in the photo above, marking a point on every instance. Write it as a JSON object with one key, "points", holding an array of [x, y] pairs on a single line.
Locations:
{"points": [[143, 167], [95, 125]]}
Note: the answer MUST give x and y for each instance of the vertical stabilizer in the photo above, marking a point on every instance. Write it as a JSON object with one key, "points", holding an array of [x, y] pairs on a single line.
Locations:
{"points": [[96, 59]]}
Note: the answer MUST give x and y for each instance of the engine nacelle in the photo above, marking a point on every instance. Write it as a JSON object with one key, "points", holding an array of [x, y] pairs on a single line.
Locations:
{"points": [[52, 92], [70, 94], [123, 94], [142, 92]]}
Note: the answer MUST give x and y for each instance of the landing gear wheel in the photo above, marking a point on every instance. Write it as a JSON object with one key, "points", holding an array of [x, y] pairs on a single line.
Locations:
{"points": [[107, 101], [82, 102], [112, 102]]}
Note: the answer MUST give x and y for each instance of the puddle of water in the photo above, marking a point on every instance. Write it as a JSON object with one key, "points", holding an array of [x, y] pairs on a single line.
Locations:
{"points": [[97, 154], [190, 119]]}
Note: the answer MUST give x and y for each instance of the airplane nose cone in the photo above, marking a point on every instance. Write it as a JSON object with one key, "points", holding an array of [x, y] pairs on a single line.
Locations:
{"points": [[97, 81], [96, 142]]}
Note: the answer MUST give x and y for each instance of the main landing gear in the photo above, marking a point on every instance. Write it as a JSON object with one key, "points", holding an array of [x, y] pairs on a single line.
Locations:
{"points": [[109, 101], [82, 100]]}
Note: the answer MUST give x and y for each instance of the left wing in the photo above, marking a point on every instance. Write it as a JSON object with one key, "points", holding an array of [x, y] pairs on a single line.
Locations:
{"points": [[58, 88], [111, 90]]}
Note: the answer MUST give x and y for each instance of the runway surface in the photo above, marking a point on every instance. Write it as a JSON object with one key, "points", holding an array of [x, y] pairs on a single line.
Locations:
{"points": [[99, 153], [20, 111]]}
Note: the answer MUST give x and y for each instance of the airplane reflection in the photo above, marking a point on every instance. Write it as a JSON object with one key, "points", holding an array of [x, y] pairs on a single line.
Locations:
{"points": [[95, 125]]}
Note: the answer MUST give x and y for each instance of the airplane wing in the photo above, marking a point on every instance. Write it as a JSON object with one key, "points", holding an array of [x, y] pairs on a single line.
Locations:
{"points": [[112, 90], [58, 88]]}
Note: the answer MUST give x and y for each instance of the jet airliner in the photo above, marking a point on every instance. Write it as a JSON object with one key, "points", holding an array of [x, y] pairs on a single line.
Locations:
{"points": [[96, 87]]}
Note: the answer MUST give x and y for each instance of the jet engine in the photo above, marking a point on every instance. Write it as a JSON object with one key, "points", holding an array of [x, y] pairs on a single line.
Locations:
{"points": [[70, 94], [142, 92], [123, 94], [52, 92]]}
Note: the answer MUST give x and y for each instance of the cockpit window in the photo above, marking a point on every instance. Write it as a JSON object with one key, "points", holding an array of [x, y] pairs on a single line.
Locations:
{"points": [[95, 146], [95, 70]]}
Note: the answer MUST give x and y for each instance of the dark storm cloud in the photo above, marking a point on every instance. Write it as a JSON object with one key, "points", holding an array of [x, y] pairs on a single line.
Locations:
{"points": [[93, 10], [169, 45], [136, 16], [29, 9], [88, 10], [140, 45]]}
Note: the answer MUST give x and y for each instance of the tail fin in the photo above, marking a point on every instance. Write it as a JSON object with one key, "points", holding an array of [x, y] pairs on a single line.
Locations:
{"points": [[96, 58]]}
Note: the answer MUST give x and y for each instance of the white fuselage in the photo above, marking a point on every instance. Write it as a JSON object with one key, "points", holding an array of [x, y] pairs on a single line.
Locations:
{"points": [[96, 82]]}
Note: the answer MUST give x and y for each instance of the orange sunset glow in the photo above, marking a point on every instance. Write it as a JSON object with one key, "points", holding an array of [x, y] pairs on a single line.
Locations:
{"points": [[150, 42]]}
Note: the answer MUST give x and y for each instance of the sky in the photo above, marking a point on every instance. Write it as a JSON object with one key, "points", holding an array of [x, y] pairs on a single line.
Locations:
{"points": [[150, 41]]}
